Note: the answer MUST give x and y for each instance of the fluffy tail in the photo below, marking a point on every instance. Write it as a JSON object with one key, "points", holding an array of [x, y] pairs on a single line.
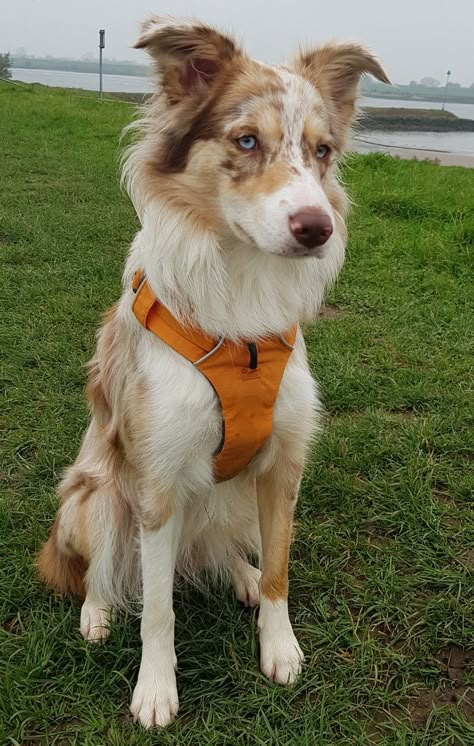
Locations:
{"points": [[64, 572]]}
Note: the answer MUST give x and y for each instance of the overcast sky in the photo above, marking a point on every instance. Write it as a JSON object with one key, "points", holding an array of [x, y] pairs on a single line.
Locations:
{"points": [[413, 38]]}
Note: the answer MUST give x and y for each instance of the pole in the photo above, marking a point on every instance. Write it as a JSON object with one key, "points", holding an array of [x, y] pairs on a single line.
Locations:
{"points": [[100, 74], [101, 47], [446, 89]]}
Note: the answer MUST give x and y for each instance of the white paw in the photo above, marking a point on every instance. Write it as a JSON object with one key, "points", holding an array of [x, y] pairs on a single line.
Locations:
{"points": [[246, 579], [95, 621], [155, 700], [281, 657]]}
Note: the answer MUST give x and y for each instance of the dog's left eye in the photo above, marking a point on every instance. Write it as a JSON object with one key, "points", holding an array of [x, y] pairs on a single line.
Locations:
{"points": [[322, 151], [247, 142]]}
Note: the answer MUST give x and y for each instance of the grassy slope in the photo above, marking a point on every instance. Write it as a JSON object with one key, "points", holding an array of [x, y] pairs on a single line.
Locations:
{"points": [[382, 570]]}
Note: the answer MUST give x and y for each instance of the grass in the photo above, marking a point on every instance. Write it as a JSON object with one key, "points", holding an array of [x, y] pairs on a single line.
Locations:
{"points": [[382, 564]]}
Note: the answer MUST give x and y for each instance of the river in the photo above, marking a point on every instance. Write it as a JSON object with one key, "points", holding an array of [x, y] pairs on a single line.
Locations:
{"points": [[88, 81], [368, 141], [450, 142]]}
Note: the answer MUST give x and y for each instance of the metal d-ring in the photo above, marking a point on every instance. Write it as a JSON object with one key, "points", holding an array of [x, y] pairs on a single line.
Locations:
{"points": [[210, 353], [285, 343]]}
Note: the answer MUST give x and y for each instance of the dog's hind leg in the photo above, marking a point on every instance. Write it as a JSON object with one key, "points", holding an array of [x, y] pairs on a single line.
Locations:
{"points": [[246, 579], [112, 576], [95, 620], [91, 550]]}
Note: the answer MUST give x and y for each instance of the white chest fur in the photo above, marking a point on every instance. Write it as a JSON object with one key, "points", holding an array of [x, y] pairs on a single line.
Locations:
{"points": [[186, 421]]}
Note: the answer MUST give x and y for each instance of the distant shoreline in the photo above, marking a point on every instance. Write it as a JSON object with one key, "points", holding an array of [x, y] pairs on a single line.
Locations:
{"points": [[404, 96], [413, 120], [110, 67], [387, 119], [134, 69]]}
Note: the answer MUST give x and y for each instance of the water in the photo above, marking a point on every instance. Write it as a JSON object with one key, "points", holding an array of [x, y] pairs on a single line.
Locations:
{"points": [[444, 142], [452, 142], [88, 81], [138, 84]]}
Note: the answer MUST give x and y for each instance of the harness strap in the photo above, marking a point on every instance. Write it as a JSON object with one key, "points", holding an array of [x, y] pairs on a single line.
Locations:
{"points": [[153, 315], [246, 377]]}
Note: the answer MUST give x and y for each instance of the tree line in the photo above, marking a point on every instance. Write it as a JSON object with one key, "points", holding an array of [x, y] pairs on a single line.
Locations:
{"points": [[5, 65]]}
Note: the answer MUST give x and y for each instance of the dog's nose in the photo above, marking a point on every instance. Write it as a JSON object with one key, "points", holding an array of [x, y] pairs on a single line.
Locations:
{"points": [[311, 227]]}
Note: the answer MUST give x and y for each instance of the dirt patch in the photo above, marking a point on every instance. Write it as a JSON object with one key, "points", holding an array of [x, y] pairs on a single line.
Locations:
{"points": [[453, 523], [444, 499], [328, 311], [439, 485], [407, 412], [382, 632], [376, 533], [390, 718], [451, 517], [469, 558], [448, 502], [11, 625], [400, 361], [454, 661], [421, 705], [62, 733]]}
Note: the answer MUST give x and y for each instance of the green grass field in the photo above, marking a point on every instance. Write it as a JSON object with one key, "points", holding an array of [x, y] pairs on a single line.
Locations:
{"points": [[382, 573]]}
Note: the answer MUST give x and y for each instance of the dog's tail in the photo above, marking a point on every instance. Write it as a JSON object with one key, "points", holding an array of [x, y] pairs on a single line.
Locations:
{"points": [[61, 568]]}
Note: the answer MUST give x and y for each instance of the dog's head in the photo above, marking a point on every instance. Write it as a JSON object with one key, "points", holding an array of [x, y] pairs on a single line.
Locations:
{"points": [[248, 148]]}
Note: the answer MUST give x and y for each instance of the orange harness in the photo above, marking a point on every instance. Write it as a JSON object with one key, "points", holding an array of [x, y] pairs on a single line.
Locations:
{"points": [[246, 377]]}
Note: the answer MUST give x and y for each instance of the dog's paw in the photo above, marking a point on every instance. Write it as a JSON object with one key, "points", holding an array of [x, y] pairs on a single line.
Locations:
{"points": [[95, 621], [155, 700], [246, 579], [281, 657]]}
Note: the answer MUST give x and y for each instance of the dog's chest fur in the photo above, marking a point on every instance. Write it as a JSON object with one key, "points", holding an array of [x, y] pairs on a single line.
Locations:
{"points": [[179, 414]]}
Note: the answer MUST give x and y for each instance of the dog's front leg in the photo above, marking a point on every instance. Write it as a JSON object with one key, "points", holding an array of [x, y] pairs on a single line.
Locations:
{"points": [[277, 491], [155, 699]]}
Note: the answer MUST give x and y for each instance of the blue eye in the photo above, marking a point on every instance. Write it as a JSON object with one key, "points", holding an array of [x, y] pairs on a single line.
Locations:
{"points": [[247, 142], [322, 151]]}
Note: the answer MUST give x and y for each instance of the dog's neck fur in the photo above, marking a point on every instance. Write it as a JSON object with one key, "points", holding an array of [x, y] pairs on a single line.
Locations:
{"points": [[231, 290]]}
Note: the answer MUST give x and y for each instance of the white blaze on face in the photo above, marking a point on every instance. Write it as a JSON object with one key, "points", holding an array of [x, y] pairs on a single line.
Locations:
{"points": [[265, 216], [267, 220]]}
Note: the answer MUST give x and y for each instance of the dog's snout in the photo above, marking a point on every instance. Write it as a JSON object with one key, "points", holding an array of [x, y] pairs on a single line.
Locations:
{"points": [[311, 227]]}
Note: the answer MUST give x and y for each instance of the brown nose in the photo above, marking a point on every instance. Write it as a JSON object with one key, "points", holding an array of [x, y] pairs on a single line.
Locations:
{"points": [[311, 227]]}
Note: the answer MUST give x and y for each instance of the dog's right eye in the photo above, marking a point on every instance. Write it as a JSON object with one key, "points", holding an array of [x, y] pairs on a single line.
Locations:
{"points": [[247, 142]]}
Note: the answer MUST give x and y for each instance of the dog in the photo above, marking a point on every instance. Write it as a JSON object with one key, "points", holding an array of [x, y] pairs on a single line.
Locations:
{"points": [[233, 174]]}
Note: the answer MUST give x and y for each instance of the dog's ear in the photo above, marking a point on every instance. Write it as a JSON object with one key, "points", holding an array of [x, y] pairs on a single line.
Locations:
{"points": [[189, 56], [335, 70]]}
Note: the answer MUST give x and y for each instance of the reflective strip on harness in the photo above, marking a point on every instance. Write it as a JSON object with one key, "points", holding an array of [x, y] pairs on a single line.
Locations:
{"points": [[246, 377]]}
